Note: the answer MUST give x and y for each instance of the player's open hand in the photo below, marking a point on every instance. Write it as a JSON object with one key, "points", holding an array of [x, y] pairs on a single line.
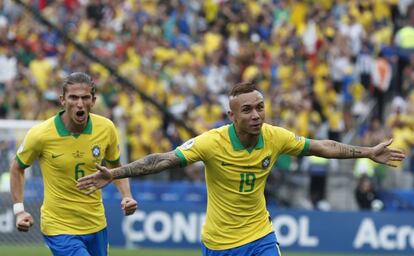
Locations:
{"points": [[382, 154], [95, 181], [24, 221], [128, 205]]}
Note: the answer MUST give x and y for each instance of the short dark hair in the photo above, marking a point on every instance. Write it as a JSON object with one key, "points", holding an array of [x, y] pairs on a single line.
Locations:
{"points": [[243, 87], [78, 78]]}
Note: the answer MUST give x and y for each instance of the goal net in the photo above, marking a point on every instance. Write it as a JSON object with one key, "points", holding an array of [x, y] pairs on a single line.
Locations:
{"points": [[12, 133]]}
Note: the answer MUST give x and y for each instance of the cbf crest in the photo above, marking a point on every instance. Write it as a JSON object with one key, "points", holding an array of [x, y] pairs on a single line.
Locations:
{"points": [[266, 162], [96, 151]]}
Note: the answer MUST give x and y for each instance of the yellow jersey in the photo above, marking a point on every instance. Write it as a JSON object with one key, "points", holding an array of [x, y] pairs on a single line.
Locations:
{"points": [[64, 157], [236, 177]]}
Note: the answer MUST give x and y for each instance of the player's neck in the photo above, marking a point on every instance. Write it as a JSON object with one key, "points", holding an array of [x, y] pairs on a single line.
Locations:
{"points": [[71, 126], [246, 139]]}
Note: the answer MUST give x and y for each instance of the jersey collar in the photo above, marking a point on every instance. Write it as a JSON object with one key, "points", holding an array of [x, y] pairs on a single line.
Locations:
{"points": [[62, 131], [237, 145]]}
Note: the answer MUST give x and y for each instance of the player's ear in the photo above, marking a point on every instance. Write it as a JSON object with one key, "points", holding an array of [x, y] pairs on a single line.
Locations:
{"points": [[231, 115], [62, 100]]}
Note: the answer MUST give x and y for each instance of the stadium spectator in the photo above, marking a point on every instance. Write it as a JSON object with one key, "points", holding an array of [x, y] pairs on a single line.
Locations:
{"points": [[178, 51], [364, 63], [318, 169], [408, 77], [405, 44], [381, 79], [238, 158], [365, 193], [68, 146], [400, 125]]}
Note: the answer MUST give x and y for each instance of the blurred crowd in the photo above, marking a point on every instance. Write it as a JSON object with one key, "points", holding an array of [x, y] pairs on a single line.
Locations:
{"points": [[319, 63]]}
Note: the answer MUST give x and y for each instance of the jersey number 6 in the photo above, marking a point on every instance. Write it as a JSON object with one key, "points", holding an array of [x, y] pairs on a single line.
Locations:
{"points": [[79, 173]]}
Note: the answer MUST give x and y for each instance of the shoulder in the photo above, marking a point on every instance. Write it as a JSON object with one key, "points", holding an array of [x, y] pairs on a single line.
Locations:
{"points": [[43, 128], [98, 120], [219, 131], [40, 133], [277, 134], [216, 134], [273, 130], [209, 138]]}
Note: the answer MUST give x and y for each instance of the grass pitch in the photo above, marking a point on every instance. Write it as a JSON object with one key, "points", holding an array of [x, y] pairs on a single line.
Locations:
{"points": [[15, 250]]}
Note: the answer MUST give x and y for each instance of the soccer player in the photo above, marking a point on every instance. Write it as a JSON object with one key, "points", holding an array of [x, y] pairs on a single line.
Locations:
{"points": [[238, 158], [68, 146]]}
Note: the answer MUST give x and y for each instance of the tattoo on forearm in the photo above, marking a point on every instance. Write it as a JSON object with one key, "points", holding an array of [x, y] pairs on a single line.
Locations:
{"points": [[147, 165], [346, 151], [355, 152]]}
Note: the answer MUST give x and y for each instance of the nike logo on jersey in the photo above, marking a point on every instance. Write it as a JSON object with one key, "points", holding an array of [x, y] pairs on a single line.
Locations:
{"points": [[55, 156], [238, 166]]}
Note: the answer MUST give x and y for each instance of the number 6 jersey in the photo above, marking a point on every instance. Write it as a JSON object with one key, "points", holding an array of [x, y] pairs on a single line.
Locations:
{"points": [[64, 157], [236, 178]]}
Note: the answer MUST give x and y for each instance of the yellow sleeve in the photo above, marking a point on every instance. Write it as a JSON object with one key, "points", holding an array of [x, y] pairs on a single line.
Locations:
{"points": [[195, 149], [113, 154], [30, 149], [292, 143]]}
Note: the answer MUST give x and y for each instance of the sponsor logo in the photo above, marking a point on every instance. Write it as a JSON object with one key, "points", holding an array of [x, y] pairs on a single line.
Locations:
{"points": [[290, 230], [160, 226], [188, 144], [185, 227], [21, 148], [57, 155], [226, 164], [238, 166], [388, 237]]}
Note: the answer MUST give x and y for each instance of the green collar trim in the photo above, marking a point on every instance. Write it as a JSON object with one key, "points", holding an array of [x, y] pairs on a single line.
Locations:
{"points": [[237, 145], [62, 131]]}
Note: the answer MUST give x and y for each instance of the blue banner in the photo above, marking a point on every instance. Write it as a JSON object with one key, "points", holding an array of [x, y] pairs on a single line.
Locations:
{"points": [[173, 225], [172, 216]]}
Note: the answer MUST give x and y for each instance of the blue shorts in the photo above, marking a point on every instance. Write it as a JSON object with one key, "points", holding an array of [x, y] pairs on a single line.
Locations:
{"points": [[265, 246], [95, 244]]}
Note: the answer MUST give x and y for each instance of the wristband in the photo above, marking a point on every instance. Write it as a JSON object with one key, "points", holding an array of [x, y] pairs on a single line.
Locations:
{"points": [[18, 208]]}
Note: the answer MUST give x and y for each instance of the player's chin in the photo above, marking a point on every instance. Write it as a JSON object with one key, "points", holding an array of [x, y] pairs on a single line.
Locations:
{"points": [[255, 132], [255, 129], [79, 123]]}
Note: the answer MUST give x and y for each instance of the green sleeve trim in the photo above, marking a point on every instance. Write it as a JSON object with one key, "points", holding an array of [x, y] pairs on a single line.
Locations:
{"points": [[116, 161], [305, 148], [181, 156], [22, 165]]}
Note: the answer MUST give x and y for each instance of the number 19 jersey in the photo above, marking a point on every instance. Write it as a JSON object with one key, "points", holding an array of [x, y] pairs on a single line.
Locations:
{"points": [[235, 178], [63, 158]]}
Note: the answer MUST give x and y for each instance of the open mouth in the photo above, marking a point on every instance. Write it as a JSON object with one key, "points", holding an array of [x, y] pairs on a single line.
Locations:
{"points": [[80, 113]]}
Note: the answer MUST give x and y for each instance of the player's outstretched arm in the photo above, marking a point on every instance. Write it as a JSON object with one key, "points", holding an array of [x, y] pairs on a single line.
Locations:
{"points": [[380, 153], [150, 164]]}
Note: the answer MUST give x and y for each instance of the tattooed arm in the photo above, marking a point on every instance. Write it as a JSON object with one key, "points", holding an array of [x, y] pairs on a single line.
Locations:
{"points": [[333, 149], [150, 164], [380, 153]]}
